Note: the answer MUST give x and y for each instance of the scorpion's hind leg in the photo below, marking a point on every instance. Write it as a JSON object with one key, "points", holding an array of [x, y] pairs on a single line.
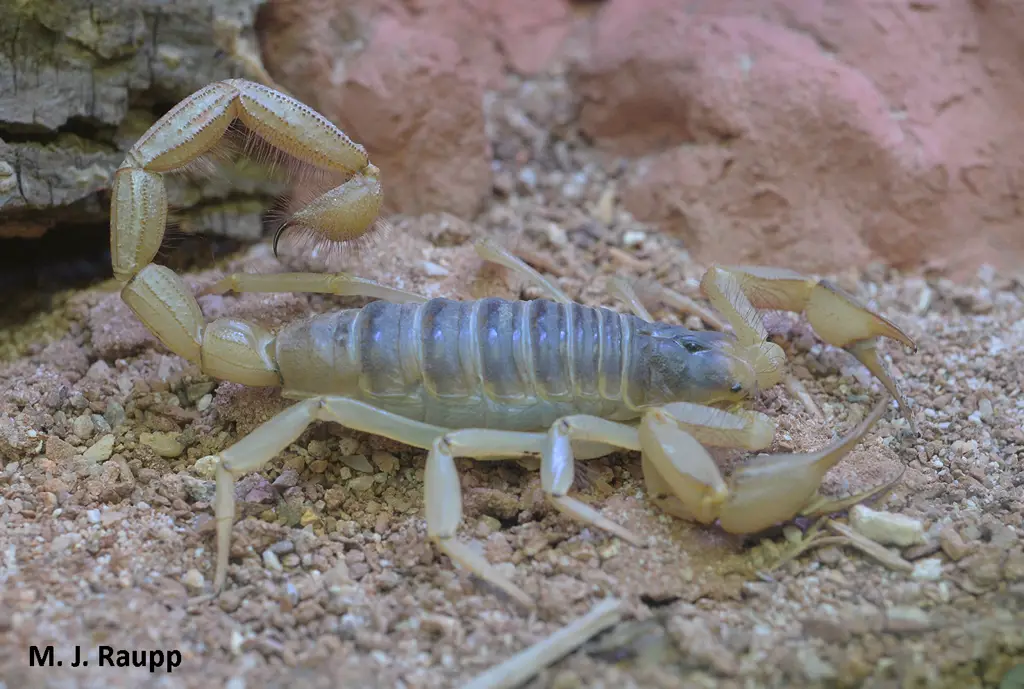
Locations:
{"points": [[839, 318], [683, 478], [341, 284], [627, 291], [493, 252], [271, 437], [444, 495]]}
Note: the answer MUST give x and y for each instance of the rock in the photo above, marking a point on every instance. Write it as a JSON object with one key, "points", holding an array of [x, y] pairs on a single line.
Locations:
{"points": [[385, 461], [162, 443], [271, 562], [206, 467], [59, 451], [407, 93], [906, 619], [67, 63], [83, 426], [886, 528], [757, 146], [114, 414], [361, 483], [101, 450], [194, 580], [358, 463], [929, 569], [954, 546]]}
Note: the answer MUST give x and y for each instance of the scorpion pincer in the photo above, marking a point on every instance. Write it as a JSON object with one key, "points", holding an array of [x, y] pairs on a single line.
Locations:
{"points": [[487, 379]]}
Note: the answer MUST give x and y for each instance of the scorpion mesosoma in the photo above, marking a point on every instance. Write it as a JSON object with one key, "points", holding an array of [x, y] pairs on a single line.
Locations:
{"points": [[486, 379]]}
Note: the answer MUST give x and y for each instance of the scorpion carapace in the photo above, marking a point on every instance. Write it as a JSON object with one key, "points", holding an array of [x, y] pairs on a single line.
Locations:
{"points": [[487, 379]]}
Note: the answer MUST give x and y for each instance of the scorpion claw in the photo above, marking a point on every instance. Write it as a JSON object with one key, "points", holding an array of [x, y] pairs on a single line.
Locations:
{"points": [[768, 490], [839, 318]]}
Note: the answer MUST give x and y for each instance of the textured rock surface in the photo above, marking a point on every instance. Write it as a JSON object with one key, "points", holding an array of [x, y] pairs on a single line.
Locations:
{"points": [[407, 81], [79, 82], [816, 135]]}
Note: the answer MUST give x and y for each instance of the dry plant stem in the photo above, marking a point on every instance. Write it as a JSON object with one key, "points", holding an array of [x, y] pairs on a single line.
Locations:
{"points": [[870, 548], [522, 666]]}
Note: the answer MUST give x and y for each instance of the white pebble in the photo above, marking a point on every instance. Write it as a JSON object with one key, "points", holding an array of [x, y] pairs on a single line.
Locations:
{"points": [[928, 569], [204, 402], [194, 580], [634, 238], [886, 528], [93, 516], [434, 270], [985, 408], [270, 561]]}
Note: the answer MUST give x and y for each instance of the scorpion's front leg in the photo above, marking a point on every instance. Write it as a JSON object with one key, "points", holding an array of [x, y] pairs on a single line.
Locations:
{"points": [[192, 129], [444, 494], [684, 480], [840, 319]]}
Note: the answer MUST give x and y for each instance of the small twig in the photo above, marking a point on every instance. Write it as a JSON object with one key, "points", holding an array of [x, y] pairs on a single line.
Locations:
{"points": [[870, 548], [527, 663]]}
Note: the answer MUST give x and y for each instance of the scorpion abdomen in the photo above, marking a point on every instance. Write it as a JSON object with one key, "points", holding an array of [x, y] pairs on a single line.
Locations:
{"points": [[491, 363]]}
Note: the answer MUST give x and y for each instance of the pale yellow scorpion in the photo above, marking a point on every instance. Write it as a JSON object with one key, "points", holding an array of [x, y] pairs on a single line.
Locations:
{"points": [[484, 379]]}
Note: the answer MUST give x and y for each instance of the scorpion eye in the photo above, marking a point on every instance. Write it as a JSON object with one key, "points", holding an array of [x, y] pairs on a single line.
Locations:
{"points": [[693, 347]]}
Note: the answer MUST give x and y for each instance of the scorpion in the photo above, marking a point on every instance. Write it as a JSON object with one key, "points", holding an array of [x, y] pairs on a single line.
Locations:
{"points": [[484, 379]]}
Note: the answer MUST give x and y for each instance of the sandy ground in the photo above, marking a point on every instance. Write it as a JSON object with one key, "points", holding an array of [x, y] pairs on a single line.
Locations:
{"points": [[106, 535]]}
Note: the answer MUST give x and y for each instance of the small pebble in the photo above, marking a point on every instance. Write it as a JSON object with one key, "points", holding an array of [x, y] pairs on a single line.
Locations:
{"points": [[194, 580], [83, 426], [271, 562], [929, 569], [953, 546], [985, 408], [361, 483], [634, 238], [385, 461], [903, 618], [164, 444], [204, 402], [434, 270], [886, 528], [93, 516], [792, 534], [101, 450], [206, 467], [359, 463], [100, 424], [114, 414]]}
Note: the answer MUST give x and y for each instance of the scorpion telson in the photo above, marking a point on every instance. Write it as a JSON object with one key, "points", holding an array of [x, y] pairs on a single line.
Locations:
{"points": [[487, 379]]}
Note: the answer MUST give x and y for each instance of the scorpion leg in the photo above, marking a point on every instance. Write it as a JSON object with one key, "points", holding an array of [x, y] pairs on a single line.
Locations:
{"points": [[684, 480], [272, 436], [622, 289], [341, 284], [839, 318], [444, 495], [491, 251]]}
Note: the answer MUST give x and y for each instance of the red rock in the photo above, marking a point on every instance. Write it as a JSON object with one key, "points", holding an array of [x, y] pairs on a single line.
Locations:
{"points": [[407, 80], [817, 136]]}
